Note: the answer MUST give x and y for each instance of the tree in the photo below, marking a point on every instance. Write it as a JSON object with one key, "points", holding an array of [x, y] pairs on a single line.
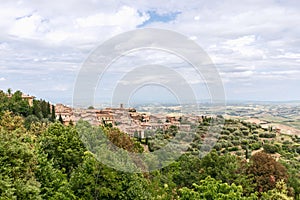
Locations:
{"points": [[52, 114], [278, 193], [227, 168], [93, 180], [294, 177], [18, 105], [9, 91], [18, 160], [37, 111], [269, 148], [266, 171], [247, 153], [220, 167], [210, 188], [122, 140], [172, 130], [63, 145], [10, 122], [113, 152], [4, 105], [44, 108], [186, 170], [48, 110], [53, 183], [71, 123], [60, 119], [29, 120]]}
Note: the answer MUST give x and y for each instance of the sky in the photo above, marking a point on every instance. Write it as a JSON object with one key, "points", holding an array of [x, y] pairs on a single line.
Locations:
{"points": [[253, 44]]}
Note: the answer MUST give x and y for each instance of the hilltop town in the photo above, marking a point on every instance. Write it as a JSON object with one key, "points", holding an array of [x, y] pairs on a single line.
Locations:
{"points": [[283, 118], [129, 120]]}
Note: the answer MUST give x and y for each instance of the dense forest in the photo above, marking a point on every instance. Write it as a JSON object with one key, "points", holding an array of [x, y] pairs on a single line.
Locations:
{"points": [[43, 159]]}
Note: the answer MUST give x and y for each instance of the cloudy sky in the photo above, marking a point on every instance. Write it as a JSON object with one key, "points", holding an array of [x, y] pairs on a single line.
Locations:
{"points": [[254, 44]]}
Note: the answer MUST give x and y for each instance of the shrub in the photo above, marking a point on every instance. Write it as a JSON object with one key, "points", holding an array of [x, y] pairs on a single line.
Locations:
{"points": [[269, 148], [287, 142], [225, 132], [243, 128], [235, 142], [235, 148], [245, 142], [224, 137], [218, 146], [296, 148], [267, 135], [224, 144], [231, 129], [244, 147], [253, 137], [255, 146], [238, 133], [245, 132], [229, 144], [231, 137]]}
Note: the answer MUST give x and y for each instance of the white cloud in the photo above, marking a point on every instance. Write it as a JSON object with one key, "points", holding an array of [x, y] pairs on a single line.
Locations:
{"points": [[60, 87], [27, 26], [125, 16], [68, 29], [245, 47], [241, 41], [289, 55]]}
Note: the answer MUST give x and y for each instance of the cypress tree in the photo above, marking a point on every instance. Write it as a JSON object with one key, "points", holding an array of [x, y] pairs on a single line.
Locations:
{"points": [[44, 108], [48, 109], [53, 114], [60, 119]]}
